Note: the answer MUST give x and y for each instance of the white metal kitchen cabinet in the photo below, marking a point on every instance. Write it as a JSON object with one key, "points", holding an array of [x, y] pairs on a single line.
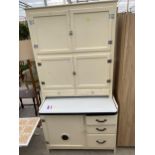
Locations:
{"points": [[73, 47], [82, 37]]}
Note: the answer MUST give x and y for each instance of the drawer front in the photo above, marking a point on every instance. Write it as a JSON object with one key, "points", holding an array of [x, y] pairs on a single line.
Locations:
{"points": [[102, 129], [92, 92], [101, 120], [101, 140], [58, 92]]}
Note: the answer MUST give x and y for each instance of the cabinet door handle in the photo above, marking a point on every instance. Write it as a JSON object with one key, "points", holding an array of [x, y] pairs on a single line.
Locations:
{"points": [[101, 121], [100, 142], [74, 73], [43, 83], [98, 129], [70, 33], [39, 63]]}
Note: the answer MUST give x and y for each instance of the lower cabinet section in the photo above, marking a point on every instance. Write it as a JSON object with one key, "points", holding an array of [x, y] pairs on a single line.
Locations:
{"points": [[73, 132]]}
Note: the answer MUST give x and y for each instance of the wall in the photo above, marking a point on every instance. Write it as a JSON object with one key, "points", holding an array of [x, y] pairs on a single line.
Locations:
{"points": [[25, 50]]}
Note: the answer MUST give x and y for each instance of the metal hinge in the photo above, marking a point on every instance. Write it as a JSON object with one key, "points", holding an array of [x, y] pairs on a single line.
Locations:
{"points": [[46, 142], [35, 45], [110, 42], [31, 22], [111, 16], [109, 61], [42, 120], [108, 81], [70, 33], [39, 63], [43, 83]]}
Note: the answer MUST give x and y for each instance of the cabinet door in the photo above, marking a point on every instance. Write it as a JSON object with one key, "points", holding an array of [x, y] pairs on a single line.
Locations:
{"points": [[52, 32], [91, 29], [55, 72], [92, 71], [64, 130]]}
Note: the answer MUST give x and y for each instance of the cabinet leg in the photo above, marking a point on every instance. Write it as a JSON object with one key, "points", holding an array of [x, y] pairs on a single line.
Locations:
{"points": [[49, 151], [115, 151], [36, 113]]}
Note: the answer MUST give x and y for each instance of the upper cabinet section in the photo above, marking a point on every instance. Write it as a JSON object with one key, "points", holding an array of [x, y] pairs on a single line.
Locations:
{"points": [[91, 29], [51, 31], [72, 28], [73, 47]]}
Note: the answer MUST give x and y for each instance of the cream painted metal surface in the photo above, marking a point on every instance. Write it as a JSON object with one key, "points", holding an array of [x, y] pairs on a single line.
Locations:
{"points": [[92, 71], [53, 68], [81, 38], [92, 29], [58, 127], [52, 32]]}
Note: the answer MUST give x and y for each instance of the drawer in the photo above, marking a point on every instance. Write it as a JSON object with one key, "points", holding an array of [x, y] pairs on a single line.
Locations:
{"points": [[58, 92], [101, 120], [92, 92], [101, 140], [102, 129]]}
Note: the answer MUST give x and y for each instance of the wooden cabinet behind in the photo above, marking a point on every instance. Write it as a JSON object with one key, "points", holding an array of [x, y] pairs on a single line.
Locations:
{"points": [[124, 87]]}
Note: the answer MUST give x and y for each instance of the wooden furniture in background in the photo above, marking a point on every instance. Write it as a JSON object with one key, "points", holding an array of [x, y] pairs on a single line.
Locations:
{"points": [[33, 93], [124, 86], [28, 93]]}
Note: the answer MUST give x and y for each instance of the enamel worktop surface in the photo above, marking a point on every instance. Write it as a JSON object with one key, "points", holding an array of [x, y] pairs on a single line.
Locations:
{"points": [[78, 105]]}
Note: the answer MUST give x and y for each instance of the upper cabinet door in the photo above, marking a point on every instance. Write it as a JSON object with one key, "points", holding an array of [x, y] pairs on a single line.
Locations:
{"points": [[91, 29], [52, 32], [56, 72]]}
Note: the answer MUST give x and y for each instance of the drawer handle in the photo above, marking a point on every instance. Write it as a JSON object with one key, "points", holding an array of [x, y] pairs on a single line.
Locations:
{"points": [[100, 142], [101, 129], [101, 121]]}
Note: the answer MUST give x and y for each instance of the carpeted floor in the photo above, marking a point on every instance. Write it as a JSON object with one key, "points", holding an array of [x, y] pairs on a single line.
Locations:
{"points": [[37, 144]]}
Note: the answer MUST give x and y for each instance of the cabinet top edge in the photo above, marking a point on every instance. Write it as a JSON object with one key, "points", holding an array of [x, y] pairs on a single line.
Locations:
{"points": [[75, 4]]}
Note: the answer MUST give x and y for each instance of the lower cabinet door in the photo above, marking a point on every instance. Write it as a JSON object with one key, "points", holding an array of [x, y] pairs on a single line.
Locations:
{"points": [[65, 130], [92, 74], [101, 140], [56, 73]]}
